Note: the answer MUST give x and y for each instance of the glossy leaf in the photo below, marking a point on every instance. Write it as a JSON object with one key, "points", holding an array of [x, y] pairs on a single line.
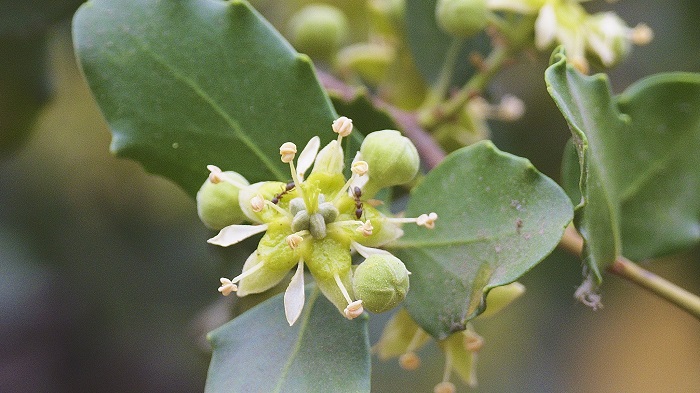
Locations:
{"points": [[429, 45], [259, 352], [638, 161], [188, 83], [498, 217]]}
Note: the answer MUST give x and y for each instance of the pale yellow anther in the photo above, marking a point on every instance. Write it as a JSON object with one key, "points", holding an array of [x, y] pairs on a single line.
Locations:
{"points": [[366, 228], [294, 240], [409, 361], [288, 150], [342, 126], [257, 203], [445, 387], [354, 309], [472, 341], [641, 34], [427, 220], [227, 286], [359, 168]]}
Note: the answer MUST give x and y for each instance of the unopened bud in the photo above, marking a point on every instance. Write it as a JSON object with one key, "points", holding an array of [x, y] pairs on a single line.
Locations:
{"points": [[381, 281], [393, 158], [462, 18], [318, 30], [217, 201]]}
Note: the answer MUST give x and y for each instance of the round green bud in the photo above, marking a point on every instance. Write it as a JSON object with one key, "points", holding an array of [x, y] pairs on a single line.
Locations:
{"points": [[461, 18], [318, 30], [369, 60], [381, 281], [392, 160], [217, 203]]}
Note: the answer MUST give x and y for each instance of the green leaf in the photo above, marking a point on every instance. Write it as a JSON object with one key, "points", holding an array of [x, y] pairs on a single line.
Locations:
{"points": [[638, 157], [497, 218], [430, 45], [188, 83], [259, 352]]}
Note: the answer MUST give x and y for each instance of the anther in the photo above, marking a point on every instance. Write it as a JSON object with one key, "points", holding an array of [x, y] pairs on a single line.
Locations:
{"points": [[227, 286], [294, 240], [257, 203], [641, 34], [359, 167], [366, 228], [472, 341], [354, 309], [445, 387], [342, 126], [288, 150], [427, 220], [409, 361]]}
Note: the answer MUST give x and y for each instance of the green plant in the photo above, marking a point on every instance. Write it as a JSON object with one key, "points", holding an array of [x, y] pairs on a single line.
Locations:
{"points": [[198, 84]]}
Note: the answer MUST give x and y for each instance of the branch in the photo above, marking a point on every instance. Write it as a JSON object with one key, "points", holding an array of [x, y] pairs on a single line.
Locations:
{"points": [[623, 267], [431, 153]]}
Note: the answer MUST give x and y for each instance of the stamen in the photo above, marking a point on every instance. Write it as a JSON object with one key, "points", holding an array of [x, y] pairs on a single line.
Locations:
{"points": [[216, 176], [227, 286], [446, 386], [288, 150], [342, 126], [278, 209], [294, 240], [346, 295], [257, 203], [243, 275], [354, 309], [359, 167], [409, 361], [427, 220], [365, 229]]}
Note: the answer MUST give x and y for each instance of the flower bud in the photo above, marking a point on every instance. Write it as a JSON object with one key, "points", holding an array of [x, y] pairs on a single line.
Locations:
{"points": [[381, 281], [461, 18], [369, 60], [392, 160], [217, 203], [319, 30]]}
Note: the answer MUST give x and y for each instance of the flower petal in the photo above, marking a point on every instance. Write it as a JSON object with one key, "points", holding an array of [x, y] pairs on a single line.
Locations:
{"points": [[545, 27], [308, 155], [294, 295], [367, 251], [262, 280], [400, 333], [330, 289], [233, 234]]}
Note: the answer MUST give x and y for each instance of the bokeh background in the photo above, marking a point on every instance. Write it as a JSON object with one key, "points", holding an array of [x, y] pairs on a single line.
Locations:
{"points": [[107, 282]]}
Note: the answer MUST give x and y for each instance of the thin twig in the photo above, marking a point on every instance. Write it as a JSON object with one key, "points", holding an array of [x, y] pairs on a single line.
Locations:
{"points": [[431, 153], [623, 267]]}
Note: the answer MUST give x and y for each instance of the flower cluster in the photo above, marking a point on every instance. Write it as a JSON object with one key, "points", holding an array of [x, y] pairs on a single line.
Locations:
{"points": [[601, 37], [402, 338], [316, 222]]}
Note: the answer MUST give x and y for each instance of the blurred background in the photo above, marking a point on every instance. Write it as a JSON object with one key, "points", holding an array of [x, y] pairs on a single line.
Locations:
{"points": [[105, 273]]}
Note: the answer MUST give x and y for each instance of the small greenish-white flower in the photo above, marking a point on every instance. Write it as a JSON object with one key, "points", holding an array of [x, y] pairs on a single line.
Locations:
{"points": [[316, 222], [402, 338], [601, 37]]}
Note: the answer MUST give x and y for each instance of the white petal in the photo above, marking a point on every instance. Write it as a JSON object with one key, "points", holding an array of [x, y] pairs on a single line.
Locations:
{"points": [[308, 155], [367, 251], [233, 234], [294, 295]]}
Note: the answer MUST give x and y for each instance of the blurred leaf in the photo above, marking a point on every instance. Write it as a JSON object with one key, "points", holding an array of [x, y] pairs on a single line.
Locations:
{"points": [[258, 351], [429, 45], [24, 85], [23, 88], [639, 161], [498, 217], [188, 83], [32, 17]]}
